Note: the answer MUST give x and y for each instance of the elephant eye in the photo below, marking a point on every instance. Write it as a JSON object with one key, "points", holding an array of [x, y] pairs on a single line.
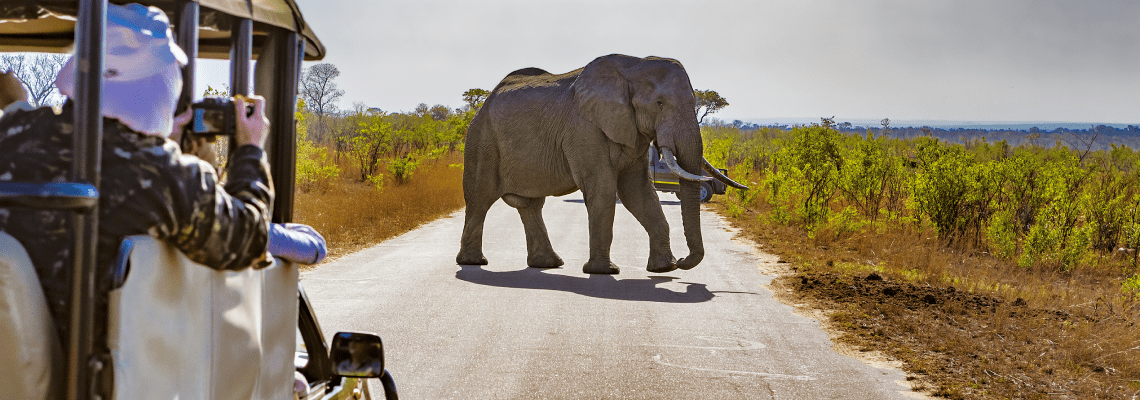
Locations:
{"points": [[660, 103]]}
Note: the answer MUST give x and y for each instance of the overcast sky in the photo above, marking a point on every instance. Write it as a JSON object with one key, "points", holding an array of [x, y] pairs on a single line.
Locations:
{"points": [[978, 60]]}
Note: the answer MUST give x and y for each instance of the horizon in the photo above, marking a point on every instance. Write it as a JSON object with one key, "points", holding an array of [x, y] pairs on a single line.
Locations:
{"points": [[873, 123]]}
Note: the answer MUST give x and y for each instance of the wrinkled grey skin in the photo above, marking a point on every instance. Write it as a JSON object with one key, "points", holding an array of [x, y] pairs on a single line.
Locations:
{"points": [[541, 135]]}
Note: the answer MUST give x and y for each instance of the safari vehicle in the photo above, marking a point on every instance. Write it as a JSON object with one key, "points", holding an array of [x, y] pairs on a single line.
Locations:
{"points": [[665, 180], [175, 329]]}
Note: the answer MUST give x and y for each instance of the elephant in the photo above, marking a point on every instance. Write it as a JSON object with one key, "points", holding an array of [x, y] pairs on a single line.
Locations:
{"points": [[539, 134]]}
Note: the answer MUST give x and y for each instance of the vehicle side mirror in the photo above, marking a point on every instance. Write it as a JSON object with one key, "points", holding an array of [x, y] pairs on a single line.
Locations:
{"points": [[357, 355]]}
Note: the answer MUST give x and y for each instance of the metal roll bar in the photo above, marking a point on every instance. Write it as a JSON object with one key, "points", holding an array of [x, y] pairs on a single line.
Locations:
{"points": [[83, 363]]}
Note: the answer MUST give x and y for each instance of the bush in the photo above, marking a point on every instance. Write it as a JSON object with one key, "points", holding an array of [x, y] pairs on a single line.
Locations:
{"points": [[953, 192], [1032, 205], [1132, 285], [1002, 234], [377, 181], [867, 174], [402, 168], [815, 160], [1057, 236], [314, 170]]}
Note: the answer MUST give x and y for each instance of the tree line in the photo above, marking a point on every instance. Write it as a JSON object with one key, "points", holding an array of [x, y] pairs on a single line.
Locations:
{"points": [[1054, 207]]}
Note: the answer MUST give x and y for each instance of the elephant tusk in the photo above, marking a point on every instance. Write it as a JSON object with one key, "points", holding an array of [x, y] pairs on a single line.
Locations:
{"points": [[721, 177], [671, 162]]}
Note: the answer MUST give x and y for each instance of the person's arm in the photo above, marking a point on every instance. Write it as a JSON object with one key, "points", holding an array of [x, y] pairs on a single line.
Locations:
{"points": [[297, 242], [229, 228]]}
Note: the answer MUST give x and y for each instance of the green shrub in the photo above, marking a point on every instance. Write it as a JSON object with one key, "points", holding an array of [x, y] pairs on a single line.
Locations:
{"points": [[740, 199], [315, 172], [1131, 285], [1057, 236], [1002, 234], [377, 181], [402, 169], [846, 222], [1040, 206], [814, 159], [867, 174], [780, 186], [953, 192]]}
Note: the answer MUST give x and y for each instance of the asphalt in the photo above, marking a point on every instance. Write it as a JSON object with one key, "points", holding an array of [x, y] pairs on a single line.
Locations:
{"points": [[505, 331]]}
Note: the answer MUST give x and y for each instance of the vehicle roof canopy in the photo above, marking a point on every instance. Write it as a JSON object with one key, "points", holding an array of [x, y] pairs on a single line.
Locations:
{"points": [[48, 25]]}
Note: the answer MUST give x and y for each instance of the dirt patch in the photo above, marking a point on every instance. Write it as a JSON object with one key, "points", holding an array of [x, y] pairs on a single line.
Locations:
{"points": [[961, 325], [956, 344]]}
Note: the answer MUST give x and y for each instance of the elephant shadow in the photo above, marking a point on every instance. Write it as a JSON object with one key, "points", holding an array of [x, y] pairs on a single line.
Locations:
{"points": [[600, 286], [663, 202]]}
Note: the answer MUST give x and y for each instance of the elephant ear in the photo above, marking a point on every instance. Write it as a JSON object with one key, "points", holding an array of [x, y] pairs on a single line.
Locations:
{"points": [[603, 97]]}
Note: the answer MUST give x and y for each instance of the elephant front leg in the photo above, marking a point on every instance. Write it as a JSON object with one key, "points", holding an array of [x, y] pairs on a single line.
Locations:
{"points": [[600, 207], [640, 198], [540, 254]]}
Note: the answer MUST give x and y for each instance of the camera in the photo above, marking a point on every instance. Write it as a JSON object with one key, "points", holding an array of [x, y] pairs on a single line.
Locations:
{"points": [[214, 116]]}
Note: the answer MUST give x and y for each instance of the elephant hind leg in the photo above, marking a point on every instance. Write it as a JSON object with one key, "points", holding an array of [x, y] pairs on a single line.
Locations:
{"points": [[540, 254], [471, 244]]}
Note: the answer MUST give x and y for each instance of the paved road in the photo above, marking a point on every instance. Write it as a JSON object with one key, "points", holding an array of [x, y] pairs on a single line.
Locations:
{"points": [[505, 331]]}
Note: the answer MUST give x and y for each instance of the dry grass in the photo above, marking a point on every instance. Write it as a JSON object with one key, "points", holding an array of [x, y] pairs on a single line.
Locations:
{"points": [[967, 325], [352, 215]]}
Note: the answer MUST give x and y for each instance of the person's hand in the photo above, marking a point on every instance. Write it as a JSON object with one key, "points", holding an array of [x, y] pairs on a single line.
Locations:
{"points": [[251, 129], [11, 90]]}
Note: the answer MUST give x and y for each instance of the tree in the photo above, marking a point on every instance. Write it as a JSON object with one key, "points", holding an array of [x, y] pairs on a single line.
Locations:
{"points": [[827, 122], [319, 91], [37, 72], [475, 98], [439, 112], [710, 101], [373, 139]]}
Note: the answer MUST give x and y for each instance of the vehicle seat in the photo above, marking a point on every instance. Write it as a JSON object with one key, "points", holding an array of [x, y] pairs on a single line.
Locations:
{"points": [[178, 329], [31, 360]]}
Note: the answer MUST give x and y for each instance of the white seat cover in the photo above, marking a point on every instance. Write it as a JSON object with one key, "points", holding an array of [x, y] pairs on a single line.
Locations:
{"points": [[179, 329], [31, 365]]}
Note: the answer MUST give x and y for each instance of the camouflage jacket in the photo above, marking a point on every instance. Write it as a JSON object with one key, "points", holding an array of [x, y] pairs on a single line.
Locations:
{"points": [[147, 186]]}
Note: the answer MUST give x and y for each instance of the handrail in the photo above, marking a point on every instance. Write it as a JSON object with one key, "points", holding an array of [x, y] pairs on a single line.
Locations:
{"points": [[52, 195]]}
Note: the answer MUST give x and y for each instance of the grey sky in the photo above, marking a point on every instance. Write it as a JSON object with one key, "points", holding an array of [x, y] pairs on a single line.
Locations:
{"points": [[935, 60]]}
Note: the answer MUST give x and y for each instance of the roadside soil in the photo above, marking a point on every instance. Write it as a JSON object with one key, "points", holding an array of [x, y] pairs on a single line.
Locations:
{"points": [[954, 342]]}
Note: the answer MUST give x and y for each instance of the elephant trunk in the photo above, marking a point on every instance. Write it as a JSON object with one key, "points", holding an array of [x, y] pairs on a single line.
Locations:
{"points": [[690, 158]]}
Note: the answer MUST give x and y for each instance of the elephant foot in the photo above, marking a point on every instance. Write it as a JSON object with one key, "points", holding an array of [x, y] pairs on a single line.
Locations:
{"points": [[689, 262], [468, 259], [600, 267], [546, 260], [661, 264]]}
